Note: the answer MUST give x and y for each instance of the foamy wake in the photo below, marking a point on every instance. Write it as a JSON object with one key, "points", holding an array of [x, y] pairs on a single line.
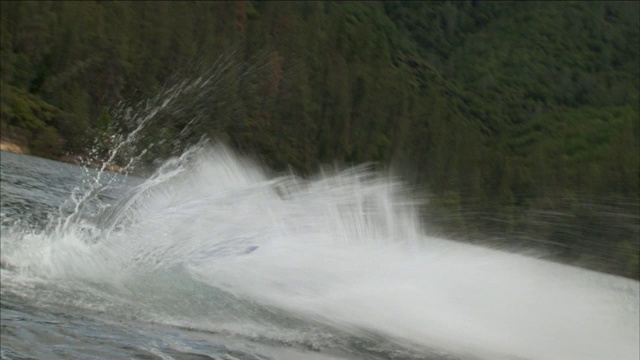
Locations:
{"points": [[345, 250]]}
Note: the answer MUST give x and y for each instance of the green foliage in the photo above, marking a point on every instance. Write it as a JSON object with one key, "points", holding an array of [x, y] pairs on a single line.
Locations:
{"points": [[503, 111], [31, 119]]}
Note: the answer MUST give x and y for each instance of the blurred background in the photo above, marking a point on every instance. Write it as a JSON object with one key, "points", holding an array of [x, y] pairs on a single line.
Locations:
{"points": [[517, 122]]}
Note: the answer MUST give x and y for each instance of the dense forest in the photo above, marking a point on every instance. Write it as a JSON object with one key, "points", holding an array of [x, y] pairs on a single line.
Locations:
{"points": [[519, 122]]}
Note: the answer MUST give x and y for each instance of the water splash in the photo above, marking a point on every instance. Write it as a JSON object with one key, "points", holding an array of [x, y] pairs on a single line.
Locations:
{"points": [[189, 97], [211, 242]]}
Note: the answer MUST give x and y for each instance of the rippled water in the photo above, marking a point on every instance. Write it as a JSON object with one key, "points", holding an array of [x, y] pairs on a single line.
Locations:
{"points": [[213, 258]]}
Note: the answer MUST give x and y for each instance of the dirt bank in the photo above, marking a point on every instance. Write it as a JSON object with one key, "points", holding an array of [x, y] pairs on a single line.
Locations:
{"points": [[6, 145]]}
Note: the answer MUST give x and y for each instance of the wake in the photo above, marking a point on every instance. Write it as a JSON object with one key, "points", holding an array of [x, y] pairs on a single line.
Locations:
{"points": [[210, 241]]}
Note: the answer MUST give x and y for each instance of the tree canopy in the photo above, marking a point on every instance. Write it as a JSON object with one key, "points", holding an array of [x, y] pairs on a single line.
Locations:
{"points": [[516, 118]]}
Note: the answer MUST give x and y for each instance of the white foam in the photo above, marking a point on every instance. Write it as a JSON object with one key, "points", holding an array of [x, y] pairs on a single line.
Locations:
{"points": [[346, 250]]}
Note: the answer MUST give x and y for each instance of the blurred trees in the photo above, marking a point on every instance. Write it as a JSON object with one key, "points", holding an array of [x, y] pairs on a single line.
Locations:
{"points": [[516, 118]]}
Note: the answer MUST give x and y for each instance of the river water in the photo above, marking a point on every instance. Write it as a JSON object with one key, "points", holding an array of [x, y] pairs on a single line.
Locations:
{"points": [[212, 257]]}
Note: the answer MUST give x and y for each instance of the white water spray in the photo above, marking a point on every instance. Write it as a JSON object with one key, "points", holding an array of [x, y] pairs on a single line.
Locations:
{"points": [[211, 242]]}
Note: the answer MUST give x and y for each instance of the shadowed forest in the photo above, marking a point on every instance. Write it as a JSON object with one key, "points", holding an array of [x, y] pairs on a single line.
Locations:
{"points": [[518, 122]]}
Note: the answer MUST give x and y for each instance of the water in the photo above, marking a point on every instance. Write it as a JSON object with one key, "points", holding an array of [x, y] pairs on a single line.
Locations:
{"points": [[212, 257]]}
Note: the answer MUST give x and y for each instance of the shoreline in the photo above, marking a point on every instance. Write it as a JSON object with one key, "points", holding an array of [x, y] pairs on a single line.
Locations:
{"points": [[12, 147]]}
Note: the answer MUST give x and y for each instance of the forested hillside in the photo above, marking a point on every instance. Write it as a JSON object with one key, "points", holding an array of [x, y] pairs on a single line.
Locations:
{"points": [[519, 121]]}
